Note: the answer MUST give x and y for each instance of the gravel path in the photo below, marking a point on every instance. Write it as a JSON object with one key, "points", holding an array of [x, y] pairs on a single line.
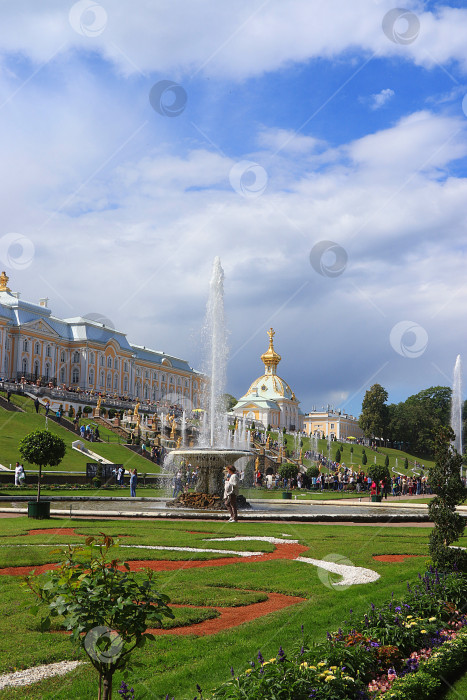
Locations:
{"points": [[37, 673]]}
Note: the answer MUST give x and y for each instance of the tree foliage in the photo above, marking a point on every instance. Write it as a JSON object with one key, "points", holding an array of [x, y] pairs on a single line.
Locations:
{"points": [[374, 417], [414, 422], [106, 609], [288, 470], [445, 480], [43, 449]]}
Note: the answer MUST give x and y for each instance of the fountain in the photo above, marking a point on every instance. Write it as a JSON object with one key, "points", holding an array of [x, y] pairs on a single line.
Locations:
{"points": [[456, 406], [213, 452]]}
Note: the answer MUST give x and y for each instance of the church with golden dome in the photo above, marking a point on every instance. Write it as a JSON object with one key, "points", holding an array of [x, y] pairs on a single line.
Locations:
{"points": [[270, 400]]}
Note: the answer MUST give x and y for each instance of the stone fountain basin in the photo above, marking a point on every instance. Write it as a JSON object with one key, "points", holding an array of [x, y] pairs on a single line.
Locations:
{"points": [[210, 456]]}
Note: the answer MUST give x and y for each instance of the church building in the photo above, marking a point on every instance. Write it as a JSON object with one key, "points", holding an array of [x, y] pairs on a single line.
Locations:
{"points": [[270, 400]]}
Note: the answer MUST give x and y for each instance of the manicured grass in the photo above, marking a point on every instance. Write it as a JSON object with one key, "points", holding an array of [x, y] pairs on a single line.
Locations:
{"points": [[174, 664], [113, 492]]}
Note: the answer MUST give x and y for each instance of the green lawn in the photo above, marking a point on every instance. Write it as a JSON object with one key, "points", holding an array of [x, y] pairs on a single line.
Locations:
{"points": [[175, 664]]}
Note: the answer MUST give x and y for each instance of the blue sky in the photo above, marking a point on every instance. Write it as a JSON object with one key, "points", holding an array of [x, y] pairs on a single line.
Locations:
{"points": [[304, 122]]}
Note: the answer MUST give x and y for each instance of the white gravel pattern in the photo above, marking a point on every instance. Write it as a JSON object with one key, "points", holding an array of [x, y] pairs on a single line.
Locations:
{"points": [[351, 575], [37, 673], [242, 538]]}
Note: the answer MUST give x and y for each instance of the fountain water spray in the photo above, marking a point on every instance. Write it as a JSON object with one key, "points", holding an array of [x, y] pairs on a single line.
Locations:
{"points": [[456, 405]]}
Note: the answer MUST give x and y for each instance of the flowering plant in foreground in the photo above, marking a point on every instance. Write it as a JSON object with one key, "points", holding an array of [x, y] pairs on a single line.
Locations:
{"points": [[382, 653]]}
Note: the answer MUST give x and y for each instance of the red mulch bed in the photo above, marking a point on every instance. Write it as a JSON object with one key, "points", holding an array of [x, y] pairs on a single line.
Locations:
{"points": [[55, 531], [395, 557], [232, 617]]}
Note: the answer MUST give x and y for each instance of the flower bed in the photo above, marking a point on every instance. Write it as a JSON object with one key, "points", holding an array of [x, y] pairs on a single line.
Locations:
{"points": [[399, 651]]}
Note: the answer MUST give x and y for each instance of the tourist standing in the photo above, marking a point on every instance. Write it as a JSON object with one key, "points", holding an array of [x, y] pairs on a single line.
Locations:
{"points": [[231, 493], [120, 474], [36, 404], [133, 482], [18, 471]]}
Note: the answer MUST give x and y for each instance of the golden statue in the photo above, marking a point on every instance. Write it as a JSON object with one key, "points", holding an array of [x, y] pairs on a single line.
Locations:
{"points": [[136, 411], [137, 423], [268, 442], [4, 283], [172, 432], [257, 464], [300, 459], [99, 401], [179, 442]]}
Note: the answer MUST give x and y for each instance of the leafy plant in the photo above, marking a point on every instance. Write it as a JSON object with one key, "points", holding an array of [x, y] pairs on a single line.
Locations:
{"points": [[288, 471], [104, 606]]}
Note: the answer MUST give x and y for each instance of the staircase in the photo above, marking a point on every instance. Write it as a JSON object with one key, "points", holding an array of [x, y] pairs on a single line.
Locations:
{"points": [[8, 406]]}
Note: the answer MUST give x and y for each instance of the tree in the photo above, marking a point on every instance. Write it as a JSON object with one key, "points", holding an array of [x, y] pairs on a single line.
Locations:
{"points": [[406, 463], [445, 480], [386, 461], [379, 473], [337, 457], [288, 470], [229, 401], [375, 415], [104, 606], [43, 449], [364, 458]]}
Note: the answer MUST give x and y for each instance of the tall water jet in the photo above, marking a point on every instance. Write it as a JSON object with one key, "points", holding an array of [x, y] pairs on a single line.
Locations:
{"points": [[456, 405], [216, 356]]}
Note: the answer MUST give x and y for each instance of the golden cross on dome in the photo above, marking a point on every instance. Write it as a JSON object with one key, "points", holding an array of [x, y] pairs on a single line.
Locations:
{"points": [[4, 282], [271, 334]]}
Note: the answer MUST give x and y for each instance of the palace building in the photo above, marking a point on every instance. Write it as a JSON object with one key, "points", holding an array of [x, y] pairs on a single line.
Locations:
{"points": [[84, 354], [270, 400]]}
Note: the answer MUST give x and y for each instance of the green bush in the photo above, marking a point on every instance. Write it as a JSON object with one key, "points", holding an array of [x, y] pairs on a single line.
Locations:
{"points": [[87, 410], [288, 471], [112, 413], [415, 686], [312, 471], [337, 457]]}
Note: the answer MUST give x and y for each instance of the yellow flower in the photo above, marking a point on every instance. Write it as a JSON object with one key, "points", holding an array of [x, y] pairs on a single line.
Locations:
{"points": [[249, 670], [333, 668], [348, 678], [423, 631], [432, 619], [313, 668], [409, 617], [304, 665], [271, 661], [413, 624], [321, 676], [329, 678], [321, 664]]}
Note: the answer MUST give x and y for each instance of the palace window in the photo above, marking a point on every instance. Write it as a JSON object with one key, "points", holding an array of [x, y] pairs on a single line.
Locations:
{"points": [[146, 392], [25, 346], [146, 375], [101, 380], [179, 381], [47, 371], [62, 375], [48, 351], [109, 362], [125, 384], [76, 357], [109, 380], [91, 376], [116, 382], [155, 375], [116, 363], [62, 356], [91, 358], [75, 376], [125, 366], [37, 349], [101, 360], [36, 369], [24, 366]]}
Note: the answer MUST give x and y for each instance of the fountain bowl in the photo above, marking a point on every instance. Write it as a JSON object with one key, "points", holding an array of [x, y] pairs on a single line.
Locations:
{"points": [[211, 463]]}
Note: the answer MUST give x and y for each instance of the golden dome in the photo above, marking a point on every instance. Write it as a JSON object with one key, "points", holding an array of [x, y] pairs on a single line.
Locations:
{"points": [[270, 358]]}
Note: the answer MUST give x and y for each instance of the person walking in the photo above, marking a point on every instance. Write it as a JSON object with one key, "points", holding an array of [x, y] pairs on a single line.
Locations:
{"points": [[133, 482], [231, 493], [120, 477], [36, 404]]}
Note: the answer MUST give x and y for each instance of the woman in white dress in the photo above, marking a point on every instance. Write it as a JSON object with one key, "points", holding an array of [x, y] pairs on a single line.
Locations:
{"points": [[231, 493]]}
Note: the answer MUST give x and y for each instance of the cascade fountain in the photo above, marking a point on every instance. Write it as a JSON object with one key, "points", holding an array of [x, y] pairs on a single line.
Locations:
{"points": [[456, 406], [214, 451]]}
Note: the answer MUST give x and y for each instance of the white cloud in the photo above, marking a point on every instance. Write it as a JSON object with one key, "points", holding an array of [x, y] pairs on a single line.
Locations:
{"points": [[379, 99], [234, 40]]}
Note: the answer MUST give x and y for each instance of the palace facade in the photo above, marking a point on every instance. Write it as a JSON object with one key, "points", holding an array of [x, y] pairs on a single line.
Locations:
{"points": [[84, 354], [332, 424], [270, 400]]}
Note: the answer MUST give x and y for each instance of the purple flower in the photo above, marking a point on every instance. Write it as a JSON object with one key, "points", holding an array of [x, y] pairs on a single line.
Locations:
{"points": [[374, 644], [398, 609], [198, 688], [281, 654], [260, 657], [232, 672]]}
